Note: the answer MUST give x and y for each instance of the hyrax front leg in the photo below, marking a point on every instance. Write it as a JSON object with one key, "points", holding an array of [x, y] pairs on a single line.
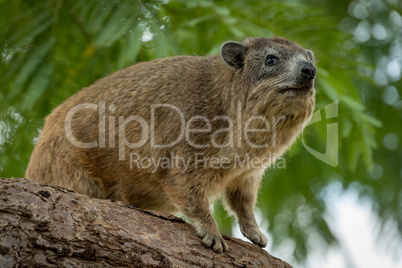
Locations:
{"points": [[194, 204], [240, 197]]}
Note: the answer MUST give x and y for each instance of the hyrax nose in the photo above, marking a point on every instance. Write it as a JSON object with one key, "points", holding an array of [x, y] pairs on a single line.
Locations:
{"points": [[308, 70]]}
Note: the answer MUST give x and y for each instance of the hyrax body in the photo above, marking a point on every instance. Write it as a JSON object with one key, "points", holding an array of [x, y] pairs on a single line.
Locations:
{"points": [[172, 134]]}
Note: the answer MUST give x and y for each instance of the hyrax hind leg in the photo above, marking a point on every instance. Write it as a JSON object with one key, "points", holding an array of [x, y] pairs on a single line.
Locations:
{"points": [[240, 198], [192, 202]]}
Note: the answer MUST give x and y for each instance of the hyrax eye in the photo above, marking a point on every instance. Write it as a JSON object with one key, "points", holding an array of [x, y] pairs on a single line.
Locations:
{"points": [[271, 60]]}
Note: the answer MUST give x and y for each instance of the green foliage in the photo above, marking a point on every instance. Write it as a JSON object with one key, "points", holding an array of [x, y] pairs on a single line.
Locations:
{"points": [[52, 49]]}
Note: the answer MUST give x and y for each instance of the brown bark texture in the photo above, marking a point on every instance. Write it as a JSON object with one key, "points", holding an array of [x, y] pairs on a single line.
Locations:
{"points": [[49, 226]]}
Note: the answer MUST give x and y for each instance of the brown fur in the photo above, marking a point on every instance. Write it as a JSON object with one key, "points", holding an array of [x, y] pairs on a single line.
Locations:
{"points": [[211, 86]]}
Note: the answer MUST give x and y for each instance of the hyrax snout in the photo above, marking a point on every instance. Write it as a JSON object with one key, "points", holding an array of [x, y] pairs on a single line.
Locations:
{"points": [[173, 134]]}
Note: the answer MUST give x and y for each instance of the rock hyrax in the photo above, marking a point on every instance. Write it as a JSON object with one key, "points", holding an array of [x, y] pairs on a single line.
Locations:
{"points": [[173, 134]]}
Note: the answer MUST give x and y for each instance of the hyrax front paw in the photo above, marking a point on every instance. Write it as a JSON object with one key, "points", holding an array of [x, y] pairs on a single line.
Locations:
{"points": [[214, 241], [255, 235]]}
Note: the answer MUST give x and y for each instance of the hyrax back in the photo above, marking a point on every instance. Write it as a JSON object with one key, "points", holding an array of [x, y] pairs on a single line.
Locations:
{"points": [[172, 134]]}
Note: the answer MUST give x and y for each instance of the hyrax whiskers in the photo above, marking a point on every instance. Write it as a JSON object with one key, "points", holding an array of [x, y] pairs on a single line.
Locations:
{"points": [[173, 134]]}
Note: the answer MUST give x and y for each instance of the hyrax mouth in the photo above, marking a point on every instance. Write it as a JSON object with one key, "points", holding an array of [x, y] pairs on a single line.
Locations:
{"points": [[298, 90]]}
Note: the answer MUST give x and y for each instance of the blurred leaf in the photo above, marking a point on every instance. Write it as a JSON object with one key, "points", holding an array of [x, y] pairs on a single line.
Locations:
{"points": [[29, 67], [130, 47], [37, 86], [117, 25]]}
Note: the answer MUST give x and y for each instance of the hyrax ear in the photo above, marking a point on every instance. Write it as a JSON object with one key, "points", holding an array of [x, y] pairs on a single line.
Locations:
{"points": [[310, 55], [233, 53]]}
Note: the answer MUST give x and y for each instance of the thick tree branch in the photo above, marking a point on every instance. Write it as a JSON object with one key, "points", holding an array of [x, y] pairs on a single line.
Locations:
{"points": [[48, 226]]}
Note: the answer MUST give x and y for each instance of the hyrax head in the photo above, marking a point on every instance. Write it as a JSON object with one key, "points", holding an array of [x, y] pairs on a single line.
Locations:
{"points": [[275, 72]]}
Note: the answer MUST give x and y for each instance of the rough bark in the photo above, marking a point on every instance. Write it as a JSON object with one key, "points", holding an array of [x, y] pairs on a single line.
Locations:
{"points": [[48, 226]]}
